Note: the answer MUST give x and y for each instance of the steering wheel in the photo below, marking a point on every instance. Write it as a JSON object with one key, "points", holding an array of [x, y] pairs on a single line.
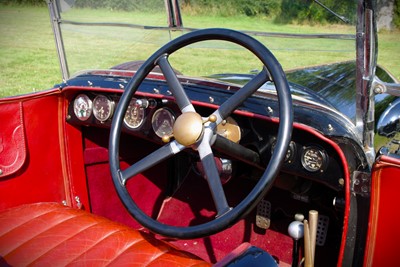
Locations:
{"points": [[193, 131]]}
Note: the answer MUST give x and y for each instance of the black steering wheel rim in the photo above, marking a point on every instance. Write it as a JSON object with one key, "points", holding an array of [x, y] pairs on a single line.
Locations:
{"points": [[263, 185]]}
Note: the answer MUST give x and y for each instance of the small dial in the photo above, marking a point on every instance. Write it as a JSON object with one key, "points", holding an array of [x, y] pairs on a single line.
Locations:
{"points": [[291, 152], [163, 122], [103, 108], [313, 159], [134, 115], [83, 107]]}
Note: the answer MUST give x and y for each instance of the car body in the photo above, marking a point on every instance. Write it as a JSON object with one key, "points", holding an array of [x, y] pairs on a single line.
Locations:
{"points": [[145, 147]]}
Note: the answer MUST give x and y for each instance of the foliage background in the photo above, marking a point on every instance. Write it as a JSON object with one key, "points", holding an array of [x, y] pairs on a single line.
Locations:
{"points": [[296, 11], [28, 57], [396, 17]]}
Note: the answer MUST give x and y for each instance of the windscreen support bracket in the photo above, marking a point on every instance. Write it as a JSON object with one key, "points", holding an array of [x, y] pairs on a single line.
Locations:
{"points": [[55, 20]]}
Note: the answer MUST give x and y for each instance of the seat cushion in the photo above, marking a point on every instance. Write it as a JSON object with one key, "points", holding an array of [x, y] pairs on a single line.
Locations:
{"points": [[50, 234]]}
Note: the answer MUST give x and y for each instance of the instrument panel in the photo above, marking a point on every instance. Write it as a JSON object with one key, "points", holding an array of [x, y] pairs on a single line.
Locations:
{"points": [[153, 119], [142, 114], [309, 157]]}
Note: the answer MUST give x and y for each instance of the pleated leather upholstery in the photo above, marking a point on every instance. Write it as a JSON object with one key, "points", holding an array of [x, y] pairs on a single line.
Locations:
{"points": [[49, 234]]}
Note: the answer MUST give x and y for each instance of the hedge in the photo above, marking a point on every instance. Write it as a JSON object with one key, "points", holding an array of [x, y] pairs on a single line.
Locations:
{"points": [[284, 11]]}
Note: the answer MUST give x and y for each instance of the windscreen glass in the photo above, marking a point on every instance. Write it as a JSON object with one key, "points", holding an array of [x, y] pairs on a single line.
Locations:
{"points": [[103, 34]]}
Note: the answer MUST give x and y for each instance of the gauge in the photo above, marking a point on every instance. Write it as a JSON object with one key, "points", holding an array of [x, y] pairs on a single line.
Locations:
{"points": [[163, 122], [134, 115], [313, 159], [103, 108], [83, 107], [290, 152]]}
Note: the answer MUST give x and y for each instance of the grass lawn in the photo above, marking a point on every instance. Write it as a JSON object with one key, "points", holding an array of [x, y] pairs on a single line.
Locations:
{"points": [[29, 62]]}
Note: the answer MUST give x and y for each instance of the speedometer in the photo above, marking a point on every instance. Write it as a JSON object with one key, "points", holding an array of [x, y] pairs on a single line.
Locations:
{"points": [[134, 115], [103, 108], [313, 159]]}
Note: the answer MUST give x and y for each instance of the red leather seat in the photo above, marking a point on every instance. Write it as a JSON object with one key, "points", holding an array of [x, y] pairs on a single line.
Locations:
{"points": [[49, 234]]}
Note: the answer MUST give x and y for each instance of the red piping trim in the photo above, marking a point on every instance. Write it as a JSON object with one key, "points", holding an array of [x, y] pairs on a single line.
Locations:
{"points": [[346, 184]]}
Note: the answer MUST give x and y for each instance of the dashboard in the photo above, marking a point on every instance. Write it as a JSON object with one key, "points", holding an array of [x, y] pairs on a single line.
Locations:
{"points": [[146, 117], [152, 118]]}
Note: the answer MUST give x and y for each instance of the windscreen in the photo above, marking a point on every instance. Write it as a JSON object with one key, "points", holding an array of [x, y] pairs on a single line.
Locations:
{"points": [[103, 34]]}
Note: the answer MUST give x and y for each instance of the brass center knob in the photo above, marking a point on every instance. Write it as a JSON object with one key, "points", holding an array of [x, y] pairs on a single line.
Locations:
{"points": [[188, 128]]}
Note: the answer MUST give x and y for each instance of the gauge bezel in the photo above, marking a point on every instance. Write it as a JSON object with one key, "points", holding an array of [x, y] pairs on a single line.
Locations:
{"points": [[86, 98], [290, 153], [141, 119], [322, 161], [171, 116], [111, 105]]}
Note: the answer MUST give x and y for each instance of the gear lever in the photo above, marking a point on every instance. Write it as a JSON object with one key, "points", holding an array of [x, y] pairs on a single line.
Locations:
{"points": [[296, 232]]}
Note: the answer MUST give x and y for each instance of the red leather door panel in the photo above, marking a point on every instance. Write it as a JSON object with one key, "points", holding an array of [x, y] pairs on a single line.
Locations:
{"points": [[384, 231], [32, 137]]}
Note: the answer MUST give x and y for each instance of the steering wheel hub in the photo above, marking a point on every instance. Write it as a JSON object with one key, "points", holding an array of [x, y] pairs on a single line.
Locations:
{"points": [[188, 128]]}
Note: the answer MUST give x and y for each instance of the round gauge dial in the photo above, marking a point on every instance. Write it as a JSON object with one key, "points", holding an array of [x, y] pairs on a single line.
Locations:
{"points": [[290, 152], [134, 115], [313, 159], [83, 107], [103, 108], [163, 122]]}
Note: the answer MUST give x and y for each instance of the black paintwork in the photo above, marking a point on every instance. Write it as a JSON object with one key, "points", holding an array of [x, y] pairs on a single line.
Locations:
{"points": [[305, 104], [323, 99], [332, 85], [305, 108]]}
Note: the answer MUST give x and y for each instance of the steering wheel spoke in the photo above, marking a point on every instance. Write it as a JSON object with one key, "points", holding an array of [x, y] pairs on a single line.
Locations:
{"points": [[175, 86], [212, 175], [215, 185], [151, 160], [241, 95]]}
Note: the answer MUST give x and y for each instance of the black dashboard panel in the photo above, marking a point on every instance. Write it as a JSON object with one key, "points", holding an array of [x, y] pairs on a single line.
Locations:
{"points": [[308, 156]]}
